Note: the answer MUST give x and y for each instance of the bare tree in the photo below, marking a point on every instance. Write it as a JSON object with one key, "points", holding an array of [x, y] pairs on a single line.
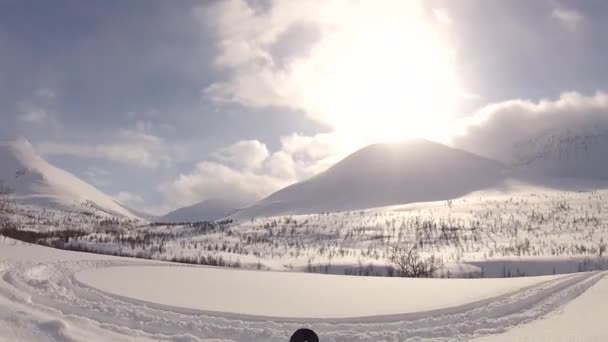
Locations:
{"points": [[5, 191], [5, 204], [408, 263]]}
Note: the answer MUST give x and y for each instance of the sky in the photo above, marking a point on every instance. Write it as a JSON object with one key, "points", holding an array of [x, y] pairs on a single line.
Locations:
{"points": [[163, 104]]}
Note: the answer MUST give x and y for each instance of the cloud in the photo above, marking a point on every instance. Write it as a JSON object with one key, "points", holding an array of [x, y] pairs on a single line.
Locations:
{"points": [[317, 146], [496, 129], [308, 155], [330, 74], [244, 39], [132, 147], [568, 17], [281, 165], [213, 180], [246, 171], [246, 154]]}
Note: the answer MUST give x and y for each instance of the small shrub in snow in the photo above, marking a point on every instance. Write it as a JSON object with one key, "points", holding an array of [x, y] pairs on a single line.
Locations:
{"points": [[409, 263]]}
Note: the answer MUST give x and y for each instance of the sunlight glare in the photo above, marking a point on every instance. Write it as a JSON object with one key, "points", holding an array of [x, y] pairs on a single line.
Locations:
{"points": [[394, 81]]}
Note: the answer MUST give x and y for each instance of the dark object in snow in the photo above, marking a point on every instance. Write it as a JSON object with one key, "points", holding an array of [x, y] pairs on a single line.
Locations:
{"points": [[304, 335]]}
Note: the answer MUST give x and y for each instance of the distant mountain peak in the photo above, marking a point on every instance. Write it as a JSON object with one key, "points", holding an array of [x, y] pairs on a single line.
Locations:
{"points": [[34, 181], [210, 209], [384, 174], [572, 152]]}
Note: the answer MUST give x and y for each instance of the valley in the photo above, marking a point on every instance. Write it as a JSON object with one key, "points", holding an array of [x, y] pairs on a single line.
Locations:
{"points": [[501, 233]]}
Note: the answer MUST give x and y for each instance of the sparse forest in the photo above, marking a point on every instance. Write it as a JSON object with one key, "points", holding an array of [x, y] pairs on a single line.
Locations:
{"points": [[420, 240]]}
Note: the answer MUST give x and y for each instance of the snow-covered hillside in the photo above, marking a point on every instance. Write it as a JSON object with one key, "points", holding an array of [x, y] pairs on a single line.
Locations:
{"points": [[34, 181], [575, 151], [207, 210], [384, 174], [567, 153]]}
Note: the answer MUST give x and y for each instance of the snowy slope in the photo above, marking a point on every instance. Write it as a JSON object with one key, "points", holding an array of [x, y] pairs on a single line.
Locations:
{"points": [[34, 181], [208, 210], [577, 153], [384, 174]]}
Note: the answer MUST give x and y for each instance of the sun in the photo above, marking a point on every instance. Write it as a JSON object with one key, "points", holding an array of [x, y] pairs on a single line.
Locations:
{"points": [[393, 80]]}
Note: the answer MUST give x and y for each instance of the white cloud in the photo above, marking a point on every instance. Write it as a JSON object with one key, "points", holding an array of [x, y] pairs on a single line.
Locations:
{"points": [[497, 128], [131, 147], [281, 165], [371, 62], [138, 148], [312, 147], [246, 154], [213, 180], [244, 34], [568, 17], [246, 171], [308, 155]]}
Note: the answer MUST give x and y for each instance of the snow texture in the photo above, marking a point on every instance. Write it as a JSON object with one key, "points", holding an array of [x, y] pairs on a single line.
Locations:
{"points": [[42, 298]]}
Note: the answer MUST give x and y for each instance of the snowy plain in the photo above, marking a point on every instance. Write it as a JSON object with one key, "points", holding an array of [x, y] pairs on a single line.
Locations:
{"points": [[42, 298], [284, 294]]}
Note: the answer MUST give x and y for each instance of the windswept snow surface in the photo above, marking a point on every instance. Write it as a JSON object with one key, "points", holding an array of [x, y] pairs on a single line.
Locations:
{"points": [[43, 298]]}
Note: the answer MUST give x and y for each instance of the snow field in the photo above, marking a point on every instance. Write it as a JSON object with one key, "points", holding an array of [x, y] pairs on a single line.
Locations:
{"points": [[44, 298]]}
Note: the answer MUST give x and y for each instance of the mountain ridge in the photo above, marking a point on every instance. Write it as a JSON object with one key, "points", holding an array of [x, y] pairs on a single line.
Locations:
{"points": [[32, 180], [207, 210], [384, 174]]}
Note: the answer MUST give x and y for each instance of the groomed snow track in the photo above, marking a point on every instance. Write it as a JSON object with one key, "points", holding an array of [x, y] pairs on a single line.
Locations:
{"points": [[50, 288]]}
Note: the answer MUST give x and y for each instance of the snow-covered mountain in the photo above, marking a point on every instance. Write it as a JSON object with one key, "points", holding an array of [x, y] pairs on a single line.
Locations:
{"points": [[32, 180], [207, 210], [384, 174], [576, 153]]}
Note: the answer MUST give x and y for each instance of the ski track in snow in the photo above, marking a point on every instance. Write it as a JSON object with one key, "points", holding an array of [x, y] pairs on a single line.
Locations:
{"points": [[50, 288]]}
